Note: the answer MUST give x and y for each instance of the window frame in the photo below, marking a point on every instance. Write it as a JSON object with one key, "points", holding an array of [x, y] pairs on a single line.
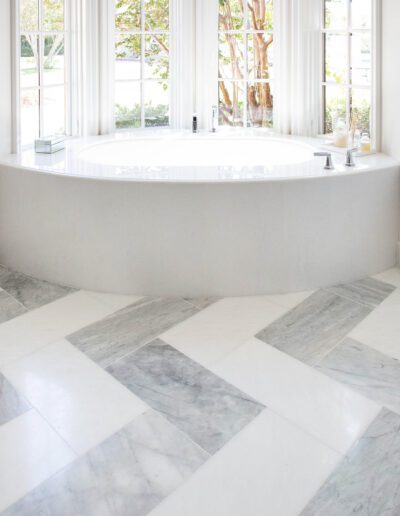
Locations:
{"points": [[374, 87], [142, 32], [193, 67], [41, 86], [246, 32]]}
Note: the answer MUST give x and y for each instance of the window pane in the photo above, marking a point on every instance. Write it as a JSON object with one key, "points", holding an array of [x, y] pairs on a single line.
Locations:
{"points": [[156, 14], [29, 61], [53, 15], [260, 55], [157, 56], [231, 15], [127, 57], [54, 63], [336, 61], [231, 103], [361, 59], [127, 15], [54, 110], [336, 14], [156, 103], [361, 108], [335, 106], [29, 116], [361, 14], [231, 56], [127, 104], [29, 15], [260, 14], [259, 105]]}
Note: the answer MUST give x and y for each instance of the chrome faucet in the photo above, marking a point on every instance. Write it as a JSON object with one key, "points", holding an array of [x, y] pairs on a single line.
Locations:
{"points": [[350, 158], [214, 119], [328, 156]]}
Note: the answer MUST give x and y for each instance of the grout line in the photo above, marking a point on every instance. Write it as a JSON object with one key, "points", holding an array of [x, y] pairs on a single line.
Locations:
{"points": [[17, 301], [360, 303]]}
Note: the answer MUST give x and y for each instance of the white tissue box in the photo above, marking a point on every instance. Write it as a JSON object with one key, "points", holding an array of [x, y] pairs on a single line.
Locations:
{"points": [[50, 144]]}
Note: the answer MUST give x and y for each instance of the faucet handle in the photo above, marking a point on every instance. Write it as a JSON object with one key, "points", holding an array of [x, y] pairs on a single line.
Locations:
{"points": [[328, 156], [350, 158]]}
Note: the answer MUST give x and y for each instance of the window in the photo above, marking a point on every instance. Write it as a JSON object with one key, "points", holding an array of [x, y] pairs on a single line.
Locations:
{"points": [[42, 69], [142, 43], [153, 63], [347, 81], [245, 63]]}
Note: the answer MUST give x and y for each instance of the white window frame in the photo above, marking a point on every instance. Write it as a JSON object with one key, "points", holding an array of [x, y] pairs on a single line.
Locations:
{"points": [[142, 32], [246, 31], [89, 48], [374, 87], [16, 54]]}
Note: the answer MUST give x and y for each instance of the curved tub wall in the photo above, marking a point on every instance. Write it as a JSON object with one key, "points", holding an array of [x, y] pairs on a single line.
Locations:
{"points": [[199, 239]]}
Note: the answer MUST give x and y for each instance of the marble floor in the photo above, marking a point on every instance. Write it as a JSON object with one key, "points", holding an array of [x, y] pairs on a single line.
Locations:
{"points": [[280, 405]]}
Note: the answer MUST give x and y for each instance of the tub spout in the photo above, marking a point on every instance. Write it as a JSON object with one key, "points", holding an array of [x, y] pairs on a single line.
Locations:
{"points": [[214, 119]]}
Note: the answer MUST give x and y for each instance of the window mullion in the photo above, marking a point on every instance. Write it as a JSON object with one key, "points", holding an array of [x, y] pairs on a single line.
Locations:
{"points": [[142, 63], [41, 69]]}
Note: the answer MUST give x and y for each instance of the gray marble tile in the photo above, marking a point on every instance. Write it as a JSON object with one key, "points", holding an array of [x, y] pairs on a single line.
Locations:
{"points": [[121, 333], [198, 402], [127, 475], [367, 481], [315, 326], [366, 370], [9, 307], [202, 302], [11, 404], [368, 291], [30, 292]]}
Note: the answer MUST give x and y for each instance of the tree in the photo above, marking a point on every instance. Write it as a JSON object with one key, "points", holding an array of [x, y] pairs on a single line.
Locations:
{"points": [[53, 21], [259, 96]]}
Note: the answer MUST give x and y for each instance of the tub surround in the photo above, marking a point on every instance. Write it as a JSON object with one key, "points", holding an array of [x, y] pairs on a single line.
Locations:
{"points": [[198, 231], [164, 156]]}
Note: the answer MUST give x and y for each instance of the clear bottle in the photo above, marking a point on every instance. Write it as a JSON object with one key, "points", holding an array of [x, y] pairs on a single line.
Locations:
{"points": [[340, 134], [357, 139], [365, 143]]}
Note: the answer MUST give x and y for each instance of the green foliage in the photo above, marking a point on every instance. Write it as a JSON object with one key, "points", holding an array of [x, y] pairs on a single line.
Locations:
{"points": [[155, 116], [336, 108]]}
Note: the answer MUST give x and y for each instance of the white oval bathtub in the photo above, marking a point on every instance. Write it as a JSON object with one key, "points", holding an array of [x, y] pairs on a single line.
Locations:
{"points": [[199, 150], [197, 215]]}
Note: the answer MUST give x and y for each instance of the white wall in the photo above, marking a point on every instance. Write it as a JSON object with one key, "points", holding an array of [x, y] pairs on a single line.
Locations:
{"points": [[391, 77], [5, 78]]}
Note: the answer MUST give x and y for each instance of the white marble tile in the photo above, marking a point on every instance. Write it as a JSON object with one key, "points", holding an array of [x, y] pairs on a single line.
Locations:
{"points": [[217, 330], [391, 276], [270, 468], [381, 329], [30, 452], [327, 409], [114, 301], [49, 323], [79, 399]]}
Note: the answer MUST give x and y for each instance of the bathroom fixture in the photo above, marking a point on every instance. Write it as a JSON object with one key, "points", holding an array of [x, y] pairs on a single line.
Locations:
{"points": [[214, 119], [350, 158], [207, 214], [328, 163]]}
